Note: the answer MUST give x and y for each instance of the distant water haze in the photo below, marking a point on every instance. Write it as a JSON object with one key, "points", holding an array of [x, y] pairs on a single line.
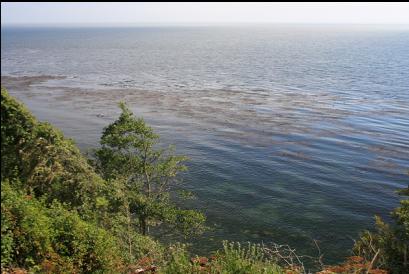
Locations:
{"points": [[294, 132], [168, 13]]}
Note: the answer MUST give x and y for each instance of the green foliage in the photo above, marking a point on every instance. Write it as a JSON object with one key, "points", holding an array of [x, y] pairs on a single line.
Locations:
{"points": [[7, 241], [187, 221], [59, 216], [41, 238], [44, 161], [390, 241], [235, 258], [133, 245], [41, 171], [16, 130], [129, 156], [177, 261]]}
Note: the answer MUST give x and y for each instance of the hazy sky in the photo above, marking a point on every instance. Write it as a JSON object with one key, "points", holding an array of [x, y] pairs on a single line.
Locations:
{"points": [[143, 13]]}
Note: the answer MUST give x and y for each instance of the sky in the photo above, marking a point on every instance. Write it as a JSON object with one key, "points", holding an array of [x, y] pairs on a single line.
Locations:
{"points": [[185, 13]]}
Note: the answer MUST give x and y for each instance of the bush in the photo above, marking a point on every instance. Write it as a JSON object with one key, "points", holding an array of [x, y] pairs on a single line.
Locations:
{"points": [[235, 258], [52, 239], [45, 162], [388, 246], [176, 260]]}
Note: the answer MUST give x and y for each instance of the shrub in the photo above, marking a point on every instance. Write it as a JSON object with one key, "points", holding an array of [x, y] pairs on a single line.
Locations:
{"points": [[52, 238], [44, 161], [388, 246]]}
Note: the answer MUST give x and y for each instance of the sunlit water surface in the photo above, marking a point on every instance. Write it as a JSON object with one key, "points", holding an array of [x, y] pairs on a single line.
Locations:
{"points": [[294, 133]]}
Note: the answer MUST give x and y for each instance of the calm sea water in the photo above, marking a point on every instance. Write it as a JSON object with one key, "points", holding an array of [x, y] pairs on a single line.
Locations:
{"points": [[294, 133]]}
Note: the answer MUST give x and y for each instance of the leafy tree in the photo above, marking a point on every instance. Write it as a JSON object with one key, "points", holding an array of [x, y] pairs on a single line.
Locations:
{"points": [[129, 156], [44, 166]]}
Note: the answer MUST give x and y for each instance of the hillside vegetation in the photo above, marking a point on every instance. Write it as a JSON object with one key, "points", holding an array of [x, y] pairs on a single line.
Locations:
{"points": [[64, 213]]}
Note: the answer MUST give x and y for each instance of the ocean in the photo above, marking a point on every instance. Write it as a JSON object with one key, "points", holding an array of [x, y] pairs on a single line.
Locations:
{"points": [[295, 133]]}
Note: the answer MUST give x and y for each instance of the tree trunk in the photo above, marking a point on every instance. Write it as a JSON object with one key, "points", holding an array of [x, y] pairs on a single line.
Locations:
{"points": [[147, 179], [142, 223], [128, 213]]}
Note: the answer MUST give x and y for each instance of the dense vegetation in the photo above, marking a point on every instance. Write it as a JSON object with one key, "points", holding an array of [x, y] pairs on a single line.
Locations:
{"points": [[63, 213], [129, 160]]}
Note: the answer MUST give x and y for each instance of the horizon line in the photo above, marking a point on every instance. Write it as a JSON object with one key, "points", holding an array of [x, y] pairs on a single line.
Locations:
{"points": [[113, 24]]}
